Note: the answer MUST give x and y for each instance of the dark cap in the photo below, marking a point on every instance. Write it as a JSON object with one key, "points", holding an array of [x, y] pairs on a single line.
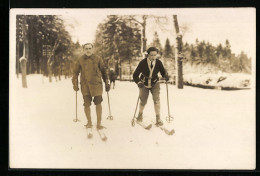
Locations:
{"points": [[152, 49]]}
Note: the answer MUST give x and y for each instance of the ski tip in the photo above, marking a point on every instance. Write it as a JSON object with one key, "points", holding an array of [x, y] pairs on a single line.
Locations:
{"points": [[133, 122], [90, 136], [148, 127], [104, 139], [88, 127], [171, 132]]}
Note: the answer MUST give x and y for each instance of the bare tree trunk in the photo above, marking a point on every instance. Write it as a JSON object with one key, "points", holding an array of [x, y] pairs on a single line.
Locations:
{"points": [[120, 69], [23, 65], [130, 68], [17, 58], [69, 69], [24, 81], [60, 71], [50, 72], [24, 58], [31, 59], [144, 34], [178, 54], [66, 71]]}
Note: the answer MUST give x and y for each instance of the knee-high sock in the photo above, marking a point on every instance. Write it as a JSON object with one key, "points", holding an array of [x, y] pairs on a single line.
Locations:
{"points": [[157, 110], [141, 108], [87, 112], [99, 113]]}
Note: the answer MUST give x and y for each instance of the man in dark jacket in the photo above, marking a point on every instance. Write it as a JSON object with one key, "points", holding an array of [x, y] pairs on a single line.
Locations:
{"points": [[146, 77], [112, 77], [92, 69]]}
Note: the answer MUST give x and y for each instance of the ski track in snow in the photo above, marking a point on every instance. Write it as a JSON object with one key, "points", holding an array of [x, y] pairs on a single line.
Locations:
{"points": [[213, 129]]}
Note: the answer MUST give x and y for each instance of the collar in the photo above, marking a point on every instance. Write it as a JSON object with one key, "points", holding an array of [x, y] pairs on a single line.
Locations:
{"points": [[87, 57], [149, 61], [149, 66]]}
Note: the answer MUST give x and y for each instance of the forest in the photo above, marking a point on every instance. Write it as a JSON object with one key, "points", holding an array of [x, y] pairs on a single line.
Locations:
{"points": [[119, 40]]}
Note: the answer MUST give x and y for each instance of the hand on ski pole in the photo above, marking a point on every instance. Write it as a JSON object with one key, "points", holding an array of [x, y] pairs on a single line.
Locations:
{"points": [[76, 88], [140, 84], [166, 77], [75, 84]]}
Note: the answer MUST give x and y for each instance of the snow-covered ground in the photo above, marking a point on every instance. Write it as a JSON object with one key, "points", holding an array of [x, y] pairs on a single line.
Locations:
{"points": [[213, 129], [234, 80]]}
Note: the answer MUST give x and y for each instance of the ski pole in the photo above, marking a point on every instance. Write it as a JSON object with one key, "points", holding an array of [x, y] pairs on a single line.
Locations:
{"points": [[110, 117], [76, 120], [133, 119], [169, 118]]}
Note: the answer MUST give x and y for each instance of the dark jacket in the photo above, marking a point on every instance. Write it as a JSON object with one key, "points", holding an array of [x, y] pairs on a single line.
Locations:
{"points": [[142, 72], [112, 75]]}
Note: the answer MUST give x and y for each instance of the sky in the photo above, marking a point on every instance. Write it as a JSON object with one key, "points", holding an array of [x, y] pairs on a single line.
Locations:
{"points": [[213, 25]]}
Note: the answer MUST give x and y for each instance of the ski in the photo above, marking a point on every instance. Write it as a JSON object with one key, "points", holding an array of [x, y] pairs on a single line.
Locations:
{"points": [[89, 132], [166, 131], [145, 126], [102, 134]]}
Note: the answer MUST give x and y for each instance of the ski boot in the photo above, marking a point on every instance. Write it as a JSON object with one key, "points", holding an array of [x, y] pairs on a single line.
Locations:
{"points": [[88, 125], [100, 127], [159, 122], [139, 118]]}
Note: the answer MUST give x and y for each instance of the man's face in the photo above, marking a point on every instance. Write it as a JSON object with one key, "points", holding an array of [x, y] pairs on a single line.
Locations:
{"points": [[152, 55], [88, 50]]}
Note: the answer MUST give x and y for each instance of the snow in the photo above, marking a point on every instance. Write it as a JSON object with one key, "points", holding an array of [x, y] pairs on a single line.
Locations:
{"points": [[234, 80], [213, 129]]}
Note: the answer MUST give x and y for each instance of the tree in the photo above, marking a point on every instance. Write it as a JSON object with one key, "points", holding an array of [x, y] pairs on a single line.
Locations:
{"points": [[186, 52], [201, 49], [227, 50], [43, 31], [77, 45], [19, 39], [219, 50], [244, 63], [217, 56], [193, 54], [168, 49], [119, 39], [156, 42], [141, 21], [178, 54], [209, 54], [24, 58]]}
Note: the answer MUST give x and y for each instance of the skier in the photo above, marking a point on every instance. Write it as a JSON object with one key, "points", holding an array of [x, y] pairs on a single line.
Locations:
{"points": [[146, 77], [112, 77], [92, 69]]}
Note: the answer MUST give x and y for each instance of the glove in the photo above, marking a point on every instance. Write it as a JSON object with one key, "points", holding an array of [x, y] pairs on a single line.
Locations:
{"points": [[107, 87], [166, 77], [76, 88], [140, 85], [75, 84]]}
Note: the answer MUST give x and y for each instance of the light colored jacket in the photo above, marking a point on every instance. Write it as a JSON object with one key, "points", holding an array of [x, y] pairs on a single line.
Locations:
{"points": [[91, 69]]}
